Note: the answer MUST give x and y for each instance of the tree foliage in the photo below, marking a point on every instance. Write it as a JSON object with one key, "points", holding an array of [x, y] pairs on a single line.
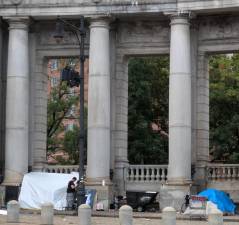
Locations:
{"points": [[224, 107], [58, 105], [148, 108], [71, 142]]}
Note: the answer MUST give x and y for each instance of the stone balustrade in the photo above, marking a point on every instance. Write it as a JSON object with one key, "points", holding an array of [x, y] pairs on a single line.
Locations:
{"points": [[223, 171], [60, 168], [156, 173], [147, 173]]}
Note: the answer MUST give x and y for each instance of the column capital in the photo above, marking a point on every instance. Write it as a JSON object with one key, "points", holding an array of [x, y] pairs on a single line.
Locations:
{"points": [[18, 22], [175, 16], [100, 21]]}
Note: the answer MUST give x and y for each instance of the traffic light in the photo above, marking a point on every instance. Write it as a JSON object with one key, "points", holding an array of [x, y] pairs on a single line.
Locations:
{"points": [[71, 76]]}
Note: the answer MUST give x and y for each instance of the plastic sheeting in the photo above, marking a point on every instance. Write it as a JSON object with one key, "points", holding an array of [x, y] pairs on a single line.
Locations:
{"points": [[38, 188], [220, 198]]}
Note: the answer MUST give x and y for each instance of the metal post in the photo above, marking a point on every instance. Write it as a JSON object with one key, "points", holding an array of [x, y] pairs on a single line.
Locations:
{"points": [[59, 35], [81, 189]]}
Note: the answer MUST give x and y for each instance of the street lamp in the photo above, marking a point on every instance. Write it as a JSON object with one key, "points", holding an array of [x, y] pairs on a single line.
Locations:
{"points": [[74, 78]]}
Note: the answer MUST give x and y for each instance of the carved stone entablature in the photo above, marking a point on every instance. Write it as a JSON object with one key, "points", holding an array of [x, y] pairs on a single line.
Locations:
{"points": [[139, 32], [16, 2], [218, 28], [47, 38], [85, 2]]}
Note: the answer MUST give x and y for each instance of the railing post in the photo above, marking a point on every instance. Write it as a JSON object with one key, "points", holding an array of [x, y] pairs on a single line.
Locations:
{"points": [[136, 174], [84, 214], [215, 217], [157, 174], [163, 176], [126, 215], [152, 177], [147, 174], [47, 214], [131, 177], [13, 212], [169, 216]]}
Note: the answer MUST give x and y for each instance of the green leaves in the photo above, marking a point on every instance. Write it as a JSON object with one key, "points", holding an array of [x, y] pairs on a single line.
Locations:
{"points": [[147, 105], [224, 107], [58, 105]]}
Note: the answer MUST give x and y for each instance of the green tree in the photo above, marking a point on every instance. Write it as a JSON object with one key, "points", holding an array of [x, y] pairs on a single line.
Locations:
{"points": [[71, 141], [58, 105], [148, 108], [224, 107]]}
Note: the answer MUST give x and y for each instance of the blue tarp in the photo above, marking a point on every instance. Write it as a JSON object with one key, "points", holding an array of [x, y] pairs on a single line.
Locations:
{"points": [[220, 198]]}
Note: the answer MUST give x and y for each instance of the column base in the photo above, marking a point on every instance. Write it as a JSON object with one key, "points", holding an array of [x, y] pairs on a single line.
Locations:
{"points": [[37, 168], [173, 195], [120, 174], [8, 193], [200, 177], [12, 178], [104, 191]]}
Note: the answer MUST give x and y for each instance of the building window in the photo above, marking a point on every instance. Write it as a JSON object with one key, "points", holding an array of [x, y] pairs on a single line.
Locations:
{"points": [[54, 81], [71, 112], [71, 92], [54, 64], [69, 127]]}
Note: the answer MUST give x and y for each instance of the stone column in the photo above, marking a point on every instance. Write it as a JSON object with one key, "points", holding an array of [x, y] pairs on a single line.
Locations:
{"points": [[202, 121], [180, 102], [121, 125], [98, 152], [179, 169], [16, 156]]}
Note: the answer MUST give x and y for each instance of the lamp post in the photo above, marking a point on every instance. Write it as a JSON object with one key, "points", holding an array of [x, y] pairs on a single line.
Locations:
{"points": [[75, 79]]}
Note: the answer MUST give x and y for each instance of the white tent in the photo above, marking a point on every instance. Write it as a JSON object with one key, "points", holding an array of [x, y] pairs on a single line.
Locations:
{"points": [[38, 188]]}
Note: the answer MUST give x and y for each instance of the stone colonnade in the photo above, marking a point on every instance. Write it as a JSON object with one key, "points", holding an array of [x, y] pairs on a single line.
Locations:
{"points": [[98, 162]]}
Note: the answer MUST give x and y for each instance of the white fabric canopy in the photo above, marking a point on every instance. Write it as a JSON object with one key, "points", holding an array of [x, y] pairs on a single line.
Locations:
{"points": [[38, 188]]}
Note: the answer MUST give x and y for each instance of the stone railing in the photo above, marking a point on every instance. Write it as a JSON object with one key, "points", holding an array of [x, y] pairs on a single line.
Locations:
{"points": [[60, 168], [147, 173], [223, 171]]}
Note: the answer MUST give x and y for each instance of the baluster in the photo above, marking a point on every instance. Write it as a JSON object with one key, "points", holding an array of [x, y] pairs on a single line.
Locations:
{"points": [[131, 177], [147, 174], [152, 177], [222, 172], [229, 172], [128, 174], [209, 175], [236, 173], [213, 173], [157, 174], [163, 175], [225, 172], [136, 174], [142, 173], [233, 173]]}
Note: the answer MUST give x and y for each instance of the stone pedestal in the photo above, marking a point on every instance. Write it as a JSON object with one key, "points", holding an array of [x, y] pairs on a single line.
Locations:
{"points": [[103, 191], [120, 174], [200, 177], [173, 195]]}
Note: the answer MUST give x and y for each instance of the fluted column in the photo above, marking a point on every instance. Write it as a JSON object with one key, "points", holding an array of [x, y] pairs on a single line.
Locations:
{"points": [[16, 152], [180, 102], [98, 152]]}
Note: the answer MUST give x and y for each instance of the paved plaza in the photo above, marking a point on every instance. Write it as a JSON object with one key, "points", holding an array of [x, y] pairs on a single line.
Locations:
{"points": [[30, 219]]}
